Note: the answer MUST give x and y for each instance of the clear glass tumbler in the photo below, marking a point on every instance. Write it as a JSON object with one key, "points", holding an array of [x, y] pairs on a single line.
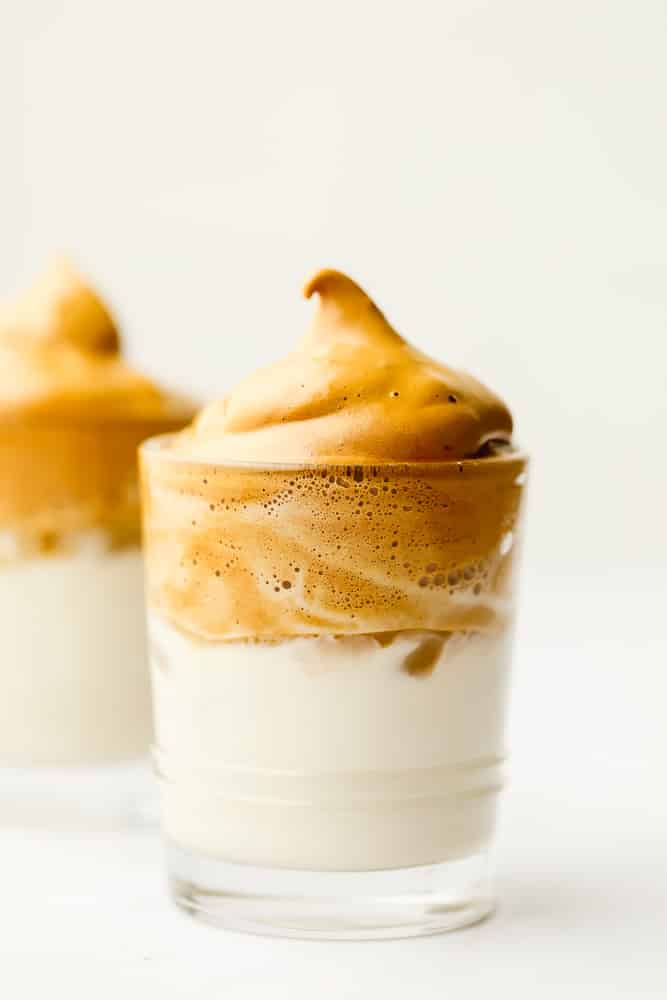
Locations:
{"points": [[330, 648]]}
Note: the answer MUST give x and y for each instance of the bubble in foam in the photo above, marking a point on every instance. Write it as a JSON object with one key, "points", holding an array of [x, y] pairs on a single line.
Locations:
{"points": [[506, 543]]}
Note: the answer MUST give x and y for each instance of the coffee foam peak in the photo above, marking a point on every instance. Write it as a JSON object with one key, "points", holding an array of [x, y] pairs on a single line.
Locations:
{"points": [[72, 414], [60, 358], [353, 391]]}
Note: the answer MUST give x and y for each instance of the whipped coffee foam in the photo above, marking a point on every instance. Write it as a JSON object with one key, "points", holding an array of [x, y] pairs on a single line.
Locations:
{"points": [[357, 486], [73, 413], [353, 391], [237, 551], [60, 359]]}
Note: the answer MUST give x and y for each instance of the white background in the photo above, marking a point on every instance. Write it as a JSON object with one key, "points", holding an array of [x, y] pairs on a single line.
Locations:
{"points": [[495, 175]]}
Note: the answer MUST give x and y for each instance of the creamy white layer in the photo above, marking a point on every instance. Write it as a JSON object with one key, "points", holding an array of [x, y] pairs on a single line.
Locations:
{"points": [[73, 676], [325, 753]]}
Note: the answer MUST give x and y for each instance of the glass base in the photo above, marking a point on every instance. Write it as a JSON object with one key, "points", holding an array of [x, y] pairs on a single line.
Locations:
{"points": [[100, 797], [397, 903]]}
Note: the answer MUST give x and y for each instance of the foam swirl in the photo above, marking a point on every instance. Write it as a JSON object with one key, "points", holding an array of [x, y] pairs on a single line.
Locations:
{"points": [[250, 552], [334, 493], [353, 391]]}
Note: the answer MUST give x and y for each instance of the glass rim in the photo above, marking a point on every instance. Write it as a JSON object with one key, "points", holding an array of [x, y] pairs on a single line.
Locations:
{"points": [[156, 445]]}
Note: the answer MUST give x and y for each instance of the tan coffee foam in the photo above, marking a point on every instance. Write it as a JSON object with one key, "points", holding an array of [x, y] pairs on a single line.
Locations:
{"points": [[242, 552], [72, 416], [381, 525], [61, 481], [353, 391], [60, 359]]}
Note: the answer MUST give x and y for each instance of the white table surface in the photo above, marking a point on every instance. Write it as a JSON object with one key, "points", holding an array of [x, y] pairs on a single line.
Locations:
{"points": [[582, 854]]}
